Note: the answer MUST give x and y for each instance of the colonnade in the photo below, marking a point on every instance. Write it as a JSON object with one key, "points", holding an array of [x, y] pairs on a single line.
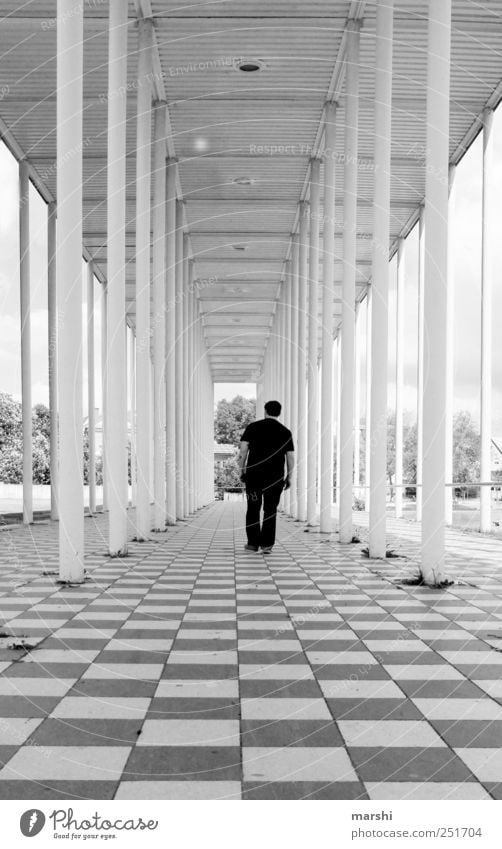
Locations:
{"points": [[300, 371], [165, 368]]}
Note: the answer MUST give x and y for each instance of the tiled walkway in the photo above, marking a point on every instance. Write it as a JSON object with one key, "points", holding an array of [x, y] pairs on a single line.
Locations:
{"points": [[194, 669]]}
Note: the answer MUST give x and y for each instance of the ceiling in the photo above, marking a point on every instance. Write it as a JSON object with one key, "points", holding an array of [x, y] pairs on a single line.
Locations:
{"points": [[243, 140]]}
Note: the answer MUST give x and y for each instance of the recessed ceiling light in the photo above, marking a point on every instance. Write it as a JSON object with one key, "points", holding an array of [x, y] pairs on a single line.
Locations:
{"points": [[248, 66], [243, 181], [240, 247]]}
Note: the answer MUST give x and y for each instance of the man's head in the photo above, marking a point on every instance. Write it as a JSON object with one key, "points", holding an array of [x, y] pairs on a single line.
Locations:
{"points": [[272, 409]]}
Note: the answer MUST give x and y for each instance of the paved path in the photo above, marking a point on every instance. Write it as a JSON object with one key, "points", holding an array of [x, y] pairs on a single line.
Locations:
{"points": [[194, 669]]}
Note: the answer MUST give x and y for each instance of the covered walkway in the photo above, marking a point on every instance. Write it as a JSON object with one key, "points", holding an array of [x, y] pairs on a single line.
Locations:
{"points": [[238, 178], [194, 669]]}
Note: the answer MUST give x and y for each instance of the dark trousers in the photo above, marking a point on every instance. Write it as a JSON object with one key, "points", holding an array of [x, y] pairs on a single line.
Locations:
{"points": [[267, 496]]}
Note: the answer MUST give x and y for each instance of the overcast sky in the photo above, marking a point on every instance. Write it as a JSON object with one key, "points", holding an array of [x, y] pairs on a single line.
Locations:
{"points": [[467, 252]]}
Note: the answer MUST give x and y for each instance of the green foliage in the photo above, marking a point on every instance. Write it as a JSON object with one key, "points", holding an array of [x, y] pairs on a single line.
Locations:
{"points": [[226, 474], [232, 417], [11, 444], [11, 440], [466, 449]]}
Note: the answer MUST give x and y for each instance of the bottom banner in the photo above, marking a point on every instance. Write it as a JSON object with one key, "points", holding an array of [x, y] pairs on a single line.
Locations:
{"points": [[224, 825]]}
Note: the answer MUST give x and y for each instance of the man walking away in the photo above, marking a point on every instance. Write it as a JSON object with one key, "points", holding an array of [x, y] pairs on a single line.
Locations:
{"points": [[265, 444]]}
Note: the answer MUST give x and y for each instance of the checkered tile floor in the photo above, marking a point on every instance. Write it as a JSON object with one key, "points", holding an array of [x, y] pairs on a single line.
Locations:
{"points": [[193, 669]]}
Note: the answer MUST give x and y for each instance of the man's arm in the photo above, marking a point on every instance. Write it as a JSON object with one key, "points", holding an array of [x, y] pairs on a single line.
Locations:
{"points": [[290, 465], [243, 453]]}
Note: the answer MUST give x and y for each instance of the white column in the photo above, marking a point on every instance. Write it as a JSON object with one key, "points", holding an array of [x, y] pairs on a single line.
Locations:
{"points": [[25, 295], [294, 367], [326, 434], [170, 342], [357, 403], [104, 390], [420, 365], [185, 375], [53, 365], [488, 245], [70, 25], [197, 459], [259, 398], [91, 393], [450, 347], [143, 218], [116, 354], [132, 415], [192, 419], [180, 424], [345, 437], [288, 282], [400, 299], [380, 276], [313, 342], [367, 414], [187, 382], [435, 289], [159, 318], [303, 269], [337, 415]]}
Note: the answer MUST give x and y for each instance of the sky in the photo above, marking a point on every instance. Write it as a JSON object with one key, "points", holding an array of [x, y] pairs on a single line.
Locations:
{"points": [[467, 257]]}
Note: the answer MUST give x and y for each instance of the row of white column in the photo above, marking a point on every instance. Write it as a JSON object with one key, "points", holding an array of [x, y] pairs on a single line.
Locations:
{"points": [[291, 360], [166, 368]]}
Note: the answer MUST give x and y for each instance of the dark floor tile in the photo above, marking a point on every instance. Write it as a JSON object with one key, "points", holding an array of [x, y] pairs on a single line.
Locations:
{"points": [[443, 644], [280, 689], [118, 687], [204, 645], [437, 689], [495, 789], [276, 616], [131, 634], [74, 643], [193, 708], [188, 763], [302, 732], [6, 753], [331, 645], [27, 705], [131, 656], [481, 671], [304, 790], [461, 733], [349, 672], [46, 670], [404, 658], [373, 709], [408, 764], [47, 789], [86, 732], [201, 671], [266, 658]]}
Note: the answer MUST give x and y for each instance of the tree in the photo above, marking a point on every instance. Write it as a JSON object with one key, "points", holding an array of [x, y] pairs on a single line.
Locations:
{"points": [[232, 417], [226, 474], [466, 449], [41, 424], [11, 440]]}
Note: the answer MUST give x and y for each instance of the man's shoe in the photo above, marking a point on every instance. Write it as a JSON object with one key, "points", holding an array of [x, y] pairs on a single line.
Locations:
{"points": [[267, 549], [251, 547]]}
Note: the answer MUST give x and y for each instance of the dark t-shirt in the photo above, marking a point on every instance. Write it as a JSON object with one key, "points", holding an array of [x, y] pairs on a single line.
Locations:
{"points": [[268, 441]]}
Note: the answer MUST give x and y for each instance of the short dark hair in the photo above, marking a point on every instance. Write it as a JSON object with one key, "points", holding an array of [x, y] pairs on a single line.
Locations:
{"points": [[273, 408]]}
